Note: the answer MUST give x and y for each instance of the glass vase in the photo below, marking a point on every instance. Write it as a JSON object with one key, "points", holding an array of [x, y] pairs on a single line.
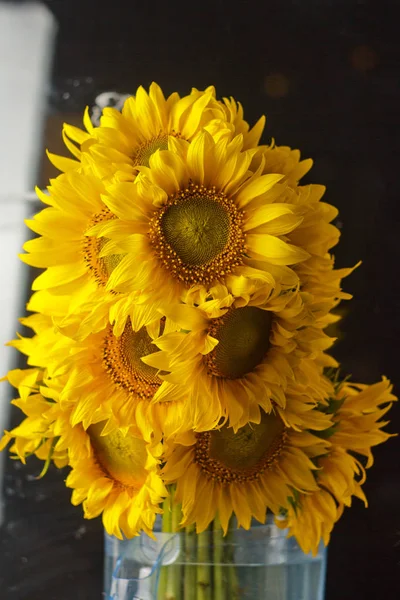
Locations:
{"points": [[255, 564]]}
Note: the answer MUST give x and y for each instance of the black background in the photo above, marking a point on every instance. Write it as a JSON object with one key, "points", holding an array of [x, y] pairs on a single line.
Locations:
{"points": [[326, 75]]}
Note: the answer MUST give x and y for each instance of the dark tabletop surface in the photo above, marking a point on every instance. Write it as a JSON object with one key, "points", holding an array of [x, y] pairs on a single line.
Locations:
{"points": [[326, 74]]}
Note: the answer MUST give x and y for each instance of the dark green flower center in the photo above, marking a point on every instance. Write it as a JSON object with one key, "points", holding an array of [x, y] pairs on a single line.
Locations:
{"points": [[198, 236], [197, 229], [121, 457], [243, 336], [244, 455]]}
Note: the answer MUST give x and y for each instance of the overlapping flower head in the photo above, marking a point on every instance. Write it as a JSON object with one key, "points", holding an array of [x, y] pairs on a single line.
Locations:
{"points": [[114, 472], [178, 326]]}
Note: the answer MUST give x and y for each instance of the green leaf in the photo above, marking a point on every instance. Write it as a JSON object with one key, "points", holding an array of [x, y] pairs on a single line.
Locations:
{"points": [[48, 459], [326, 433]]}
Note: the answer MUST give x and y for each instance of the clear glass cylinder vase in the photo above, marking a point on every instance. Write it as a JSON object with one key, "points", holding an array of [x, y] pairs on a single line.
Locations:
{"points": [[261, 563]]}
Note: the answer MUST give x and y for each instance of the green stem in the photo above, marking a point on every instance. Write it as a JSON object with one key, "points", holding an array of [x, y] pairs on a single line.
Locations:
{"points": [[190, 575], [173, 591], [165, 528], [218, 560], [204, 560], [233, 583]]}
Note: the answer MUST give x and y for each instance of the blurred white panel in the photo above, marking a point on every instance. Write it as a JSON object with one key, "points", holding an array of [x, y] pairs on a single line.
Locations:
{"points": [[26, 42], [27, 33]]}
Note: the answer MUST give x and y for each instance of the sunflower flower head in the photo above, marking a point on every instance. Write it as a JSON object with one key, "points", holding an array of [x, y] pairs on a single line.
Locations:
{"points": [[357, 410], [114, 472], [127, 139], [244, 473], [119, 479], [195, 217], [180, 347]]}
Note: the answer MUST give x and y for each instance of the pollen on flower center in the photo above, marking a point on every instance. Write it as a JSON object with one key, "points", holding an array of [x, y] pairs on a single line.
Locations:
{"points": [[122, 360], [145, 150], [197, 229], [100, 267], [243, 336], [230, 457], [198, 235], [121, 457]]}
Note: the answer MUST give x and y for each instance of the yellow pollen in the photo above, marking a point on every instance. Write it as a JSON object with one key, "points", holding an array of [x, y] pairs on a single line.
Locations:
{"points": [[229, 457], [145, 150], [122, 360], [243, 336], [100, 268], [198, 236]]}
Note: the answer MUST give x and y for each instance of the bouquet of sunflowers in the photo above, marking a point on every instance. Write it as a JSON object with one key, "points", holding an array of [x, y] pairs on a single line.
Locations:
{"points": [[179, 363]]}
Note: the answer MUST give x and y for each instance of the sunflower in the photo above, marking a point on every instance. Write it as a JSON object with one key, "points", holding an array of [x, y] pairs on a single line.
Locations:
{"points": [[75, 276], [234, 116], [75, 265], [194, 217], [45, 432], [119, 479], [322, 282], [235, 356], [246, 473], [310, 520], [358, 409], [311, 517], [124, 140], [282, 159], [108, 378], [356, 412], [116, 474], [316, 234], [105, 378]]}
